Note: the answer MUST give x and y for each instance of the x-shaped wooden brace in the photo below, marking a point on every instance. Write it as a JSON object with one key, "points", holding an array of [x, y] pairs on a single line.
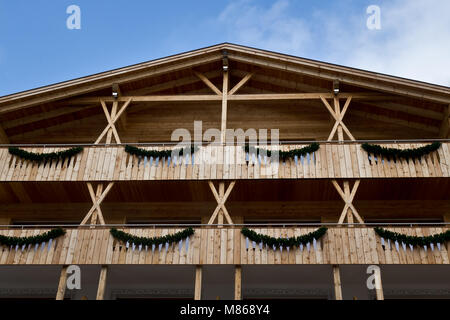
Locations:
{"points": [[97, 199], [112, 118], [221, 198], [217, 91], [348, 196], [338, 115]]}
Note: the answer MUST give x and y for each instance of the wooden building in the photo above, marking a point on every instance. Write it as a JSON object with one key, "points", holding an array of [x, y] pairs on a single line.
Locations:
{"points": [[222, 187]]}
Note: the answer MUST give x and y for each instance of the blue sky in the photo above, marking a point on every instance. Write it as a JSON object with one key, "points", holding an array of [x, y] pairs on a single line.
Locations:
{"points": [[36, 47]]}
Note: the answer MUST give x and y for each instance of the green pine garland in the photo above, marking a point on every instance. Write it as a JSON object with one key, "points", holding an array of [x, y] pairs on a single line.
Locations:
{"points": [[285, 242], [145, 241], [156, 153], [284, 155], [393, 153], [13, 241], [46, 157], [413, 240]]}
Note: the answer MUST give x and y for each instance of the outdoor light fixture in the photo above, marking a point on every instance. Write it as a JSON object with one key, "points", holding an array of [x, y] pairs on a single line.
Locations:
{"points": [[115, 91], [335, 86], [225, 60]]}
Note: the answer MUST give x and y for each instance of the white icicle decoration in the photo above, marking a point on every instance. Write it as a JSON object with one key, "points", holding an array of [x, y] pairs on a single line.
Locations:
{"points": [[274, 248], [404, 246], [439, 246], [382, 241], [315, 244], [167, 246], [281, 248], [180, 245], [287, 248], [36, 246], [396, 245], [23, 247], [17, 247], [260, 245], [127, 245], [153, 248], [254, 244], [432, 246], [187, 244], [389, 244], [42, 246], [159, 247], [308, 246], [411, 247], [140, 247], [49, 244], [425, 247], [301, 247], [134, 246], [246, 243]]}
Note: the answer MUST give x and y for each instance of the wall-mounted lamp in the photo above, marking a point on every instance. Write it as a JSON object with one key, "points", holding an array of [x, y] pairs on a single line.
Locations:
{"points": [[225, 60], [336, 87], [115, 90]]}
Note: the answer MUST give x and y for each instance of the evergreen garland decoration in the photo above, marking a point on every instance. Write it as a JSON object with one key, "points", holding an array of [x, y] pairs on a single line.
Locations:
{"points": [[145, 241], [40, 238], [283, 242], [393, 153], [156, 153], [413, 240], [284, 155], [46, 157]]}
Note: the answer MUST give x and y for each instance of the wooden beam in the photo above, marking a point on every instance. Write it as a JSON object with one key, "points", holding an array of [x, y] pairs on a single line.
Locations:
{"points": [[208, 83], [337, 282], [223, 128], [102, 283], [238, 283], [96, 204], [240, 83], [444, 130], [3, 137], [378, 284], [234, 97], [358, 78], [103, 80], [198, 283], [60, 293]]}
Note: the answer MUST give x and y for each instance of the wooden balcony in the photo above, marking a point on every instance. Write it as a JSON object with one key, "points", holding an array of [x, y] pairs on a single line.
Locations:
{"points": [[214, 245], [332, 160]]}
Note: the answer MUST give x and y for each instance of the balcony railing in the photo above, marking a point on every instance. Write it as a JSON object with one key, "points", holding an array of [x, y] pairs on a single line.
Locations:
{"points": [[332, 160], [222, 245]]}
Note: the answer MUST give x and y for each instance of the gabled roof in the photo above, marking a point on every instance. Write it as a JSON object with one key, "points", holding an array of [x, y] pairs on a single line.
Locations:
{"points": [[258, 57]]}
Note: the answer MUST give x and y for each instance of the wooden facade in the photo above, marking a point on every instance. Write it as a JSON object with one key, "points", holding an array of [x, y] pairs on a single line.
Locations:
{"points": [[221, 188]]}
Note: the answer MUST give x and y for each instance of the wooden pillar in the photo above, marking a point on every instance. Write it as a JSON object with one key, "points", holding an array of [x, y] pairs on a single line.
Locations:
{"points": [[337, 282], [224, 106], [378, 285], [102, 283], [198, 283], [62, 284], [238, 283], [221, 195]]}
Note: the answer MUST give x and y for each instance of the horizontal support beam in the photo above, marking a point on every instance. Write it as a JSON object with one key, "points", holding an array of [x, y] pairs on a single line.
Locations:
{"points": [[234, 97]]}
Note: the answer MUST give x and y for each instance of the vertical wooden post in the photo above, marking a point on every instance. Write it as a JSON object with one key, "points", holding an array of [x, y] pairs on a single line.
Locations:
{"points": [[198, 283], [337, 282], [62, 284], [378, 285], [337, 109], [102, 283], [221, 195], [224, 106], [238, 283]]}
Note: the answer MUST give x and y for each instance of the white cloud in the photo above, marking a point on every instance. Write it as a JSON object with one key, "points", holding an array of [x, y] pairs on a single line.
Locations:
{"points": [[414, 40], [272, 28]]}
